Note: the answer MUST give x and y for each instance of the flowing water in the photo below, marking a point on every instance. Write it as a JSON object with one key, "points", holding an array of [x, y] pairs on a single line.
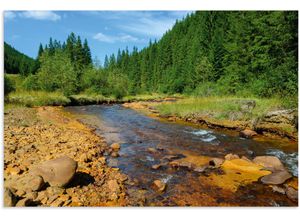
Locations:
{"points": [[137, 132]]}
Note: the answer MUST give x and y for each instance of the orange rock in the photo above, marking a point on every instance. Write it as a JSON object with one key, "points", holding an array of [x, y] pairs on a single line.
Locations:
{"points": [[247, 133], [159, 185]]}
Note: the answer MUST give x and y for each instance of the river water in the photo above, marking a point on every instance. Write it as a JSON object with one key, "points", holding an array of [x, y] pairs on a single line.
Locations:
{"points": [[136, 132]]}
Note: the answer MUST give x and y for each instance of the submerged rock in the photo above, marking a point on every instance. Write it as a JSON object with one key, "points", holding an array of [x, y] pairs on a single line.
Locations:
{"points": [[269, 162], [151, 150], [159, 185], [247, 133], [115, 147], [276, 178], [181, 164], [57, 172], [156, 166]]}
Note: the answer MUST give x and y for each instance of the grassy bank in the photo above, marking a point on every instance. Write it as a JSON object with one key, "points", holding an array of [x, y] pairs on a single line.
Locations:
{"points": [[232, 108]]}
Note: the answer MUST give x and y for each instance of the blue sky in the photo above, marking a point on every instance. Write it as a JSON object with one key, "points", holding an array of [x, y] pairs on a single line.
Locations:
{"points": [[106, 31]]}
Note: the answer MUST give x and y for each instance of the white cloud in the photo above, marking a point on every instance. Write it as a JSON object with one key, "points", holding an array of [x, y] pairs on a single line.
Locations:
{"points": [[150, 27], [9, 15], [112, 39], [41, 15]]}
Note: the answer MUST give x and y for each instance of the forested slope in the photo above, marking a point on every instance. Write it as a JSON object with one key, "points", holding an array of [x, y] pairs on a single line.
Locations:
{"points": [[218, 52], [16, 62]]}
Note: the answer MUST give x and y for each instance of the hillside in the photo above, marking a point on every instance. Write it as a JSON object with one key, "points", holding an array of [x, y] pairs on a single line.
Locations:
{"points": [[16, 62]]}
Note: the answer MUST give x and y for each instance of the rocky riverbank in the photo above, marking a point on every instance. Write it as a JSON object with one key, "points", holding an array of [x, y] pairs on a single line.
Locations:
{"points": [[69, 157]]}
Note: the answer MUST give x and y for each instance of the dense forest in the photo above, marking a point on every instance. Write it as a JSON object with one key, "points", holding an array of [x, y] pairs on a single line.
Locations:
{"points": [[16, 62], [243, 53]]}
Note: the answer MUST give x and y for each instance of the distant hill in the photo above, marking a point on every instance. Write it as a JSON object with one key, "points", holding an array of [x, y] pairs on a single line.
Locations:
{"points": [[16, 62]]}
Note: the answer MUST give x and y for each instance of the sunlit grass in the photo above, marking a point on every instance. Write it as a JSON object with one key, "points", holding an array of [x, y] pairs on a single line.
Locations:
{"points": [[37, 98], [219, 107]]}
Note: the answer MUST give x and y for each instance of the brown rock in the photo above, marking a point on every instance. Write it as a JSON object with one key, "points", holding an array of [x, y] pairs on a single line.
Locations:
{"points": [[291, 193], [156, 166], [278, 177], [269, 162], [216, 162], [159, 185], [170, 157], [115, 147], [9, 198], [182, 164], [57, 172], [28, 183], [152, 150], [24, 202], [231, 156], [247, 133], [200, 169], [113, 186], [114, 154], [278, 189]]}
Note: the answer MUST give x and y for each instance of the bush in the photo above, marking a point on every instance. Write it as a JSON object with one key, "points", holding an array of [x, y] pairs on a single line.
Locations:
{"points": [[31, 83], [9, 85]]}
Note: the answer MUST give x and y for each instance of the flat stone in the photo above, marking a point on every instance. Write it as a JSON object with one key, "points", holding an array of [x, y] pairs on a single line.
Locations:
{"points": [[57, 172], [276, 178], [200, 169], [278, 189], [269, 162]]}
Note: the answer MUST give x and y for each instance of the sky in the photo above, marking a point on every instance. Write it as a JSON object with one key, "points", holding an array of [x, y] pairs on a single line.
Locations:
{"points": [[106, 31]]}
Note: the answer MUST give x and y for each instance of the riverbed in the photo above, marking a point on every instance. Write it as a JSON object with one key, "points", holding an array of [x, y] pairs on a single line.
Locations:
{"points": [[137, 132]]}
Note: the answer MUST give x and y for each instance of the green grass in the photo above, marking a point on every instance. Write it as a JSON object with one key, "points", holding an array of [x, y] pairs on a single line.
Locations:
{"points": [[148, 97], [37, 98], [219, 107]]}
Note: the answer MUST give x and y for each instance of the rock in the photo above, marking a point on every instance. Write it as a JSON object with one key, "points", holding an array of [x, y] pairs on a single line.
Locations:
{"points": [[57, 172], [115, 147], [156, 166], [291, 193], [57, 203], [245, 158], [269, 162], [183, 164], [113, 186], [216, 162], [278, 189], [276, 178], [159, 185], [9, 198], [170, 157], [200, 169], [55, 191], [151, 150], [247, 133], [231, 156], [114, 154], [32, 195], [24, 202], [281, 116]]}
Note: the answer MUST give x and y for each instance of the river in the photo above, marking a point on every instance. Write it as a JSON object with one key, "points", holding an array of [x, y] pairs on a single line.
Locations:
{"points": [[137, 132]]}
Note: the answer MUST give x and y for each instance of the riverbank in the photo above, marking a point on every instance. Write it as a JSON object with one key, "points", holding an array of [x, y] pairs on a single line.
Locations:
{"points": [[264, 117], [35, 135]]}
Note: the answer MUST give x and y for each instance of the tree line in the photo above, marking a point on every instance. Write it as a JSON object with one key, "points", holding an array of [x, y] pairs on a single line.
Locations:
{"points": [[242, 53]]}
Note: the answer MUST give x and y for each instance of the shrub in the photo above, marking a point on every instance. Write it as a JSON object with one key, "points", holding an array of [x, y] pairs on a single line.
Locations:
{"points": [[31, 83], [9, 85]]}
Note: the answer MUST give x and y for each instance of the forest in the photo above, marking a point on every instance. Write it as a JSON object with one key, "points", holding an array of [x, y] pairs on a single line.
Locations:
{"points": [[208, 53]]}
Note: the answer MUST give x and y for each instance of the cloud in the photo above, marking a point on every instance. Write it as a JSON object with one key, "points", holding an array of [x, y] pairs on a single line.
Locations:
{"points": [[150, 27], [9, 15], [40, 15], [112, 39]]}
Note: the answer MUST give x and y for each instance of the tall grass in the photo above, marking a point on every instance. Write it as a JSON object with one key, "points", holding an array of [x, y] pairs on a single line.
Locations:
{"points": [[37, 98], [219, 107]]}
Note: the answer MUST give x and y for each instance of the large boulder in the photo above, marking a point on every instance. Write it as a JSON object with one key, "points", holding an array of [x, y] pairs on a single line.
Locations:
{"points": [[269, 162], [57, 172], [276, 178]]}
